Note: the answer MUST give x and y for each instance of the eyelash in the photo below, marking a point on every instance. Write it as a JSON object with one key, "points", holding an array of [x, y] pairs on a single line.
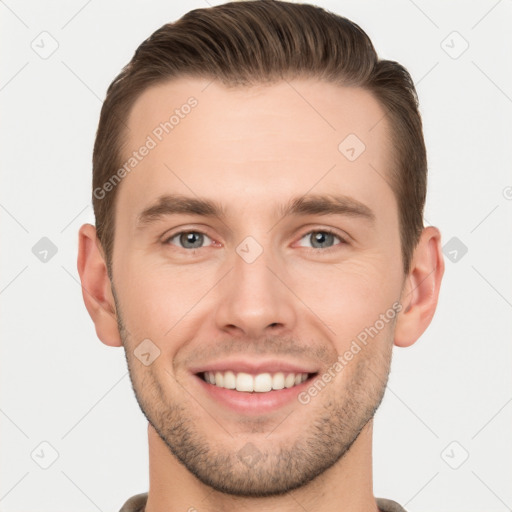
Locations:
{"points": [[309, 249], [327, 250]]}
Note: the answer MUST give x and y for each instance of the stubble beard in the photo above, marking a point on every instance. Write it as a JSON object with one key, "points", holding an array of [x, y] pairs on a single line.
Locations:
{"points": [[275, 469]]}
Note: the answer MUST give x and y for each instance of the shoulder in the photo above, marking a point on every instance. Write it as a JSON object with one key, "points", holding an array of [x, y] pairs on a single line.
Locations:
{"points": [[136, 503], [389, 505]]}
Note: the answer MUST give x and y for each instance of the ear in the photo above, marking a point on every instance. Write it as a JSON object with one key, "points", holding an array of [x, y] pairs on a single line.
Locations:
{"points": [[421, 289], [96, 286]]}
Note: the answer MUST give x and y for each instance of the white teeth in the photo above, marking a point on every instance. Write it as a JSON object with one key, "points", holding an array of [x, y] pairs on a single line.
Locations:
{"points": [[244, 382], [229, 380], [261, 383], [289, 381], [278, 381]]}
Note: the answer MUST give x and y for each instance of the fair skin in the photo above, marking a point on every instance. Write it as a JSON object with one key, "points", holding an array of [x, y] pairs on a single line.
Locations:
{"points": [[302, 301]]}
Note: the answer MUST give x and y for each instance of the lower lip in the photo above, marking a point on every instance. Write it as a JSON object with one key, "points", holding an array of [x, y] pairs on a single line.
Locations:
{"points": [[253, 403]]}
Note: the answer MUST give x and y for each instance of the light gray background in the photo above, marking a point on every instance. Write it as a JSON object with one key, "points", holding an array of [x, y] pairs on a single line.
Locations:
{"points": [[62, 386]]}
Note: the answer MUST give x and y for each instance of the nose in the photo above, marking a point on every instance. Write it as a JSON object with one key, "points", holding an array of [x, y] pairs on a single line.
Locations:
{"points": [[255, 299]]}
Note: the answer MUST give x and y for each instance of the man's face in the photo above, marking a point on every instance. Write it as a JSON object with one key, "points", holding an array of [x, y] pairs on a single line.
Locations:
{"points": [[257, 290]]}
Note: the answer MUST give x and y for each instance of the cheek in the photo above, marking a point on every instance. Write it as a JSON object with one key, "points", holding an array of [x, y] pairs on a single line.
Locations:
{"points": [[159, 301], [348, 296]]}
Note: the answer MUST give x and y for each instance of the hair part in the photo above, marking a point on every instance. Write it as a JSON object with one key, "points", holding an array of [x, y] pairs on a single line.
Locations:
{"points": [[242, 44]]}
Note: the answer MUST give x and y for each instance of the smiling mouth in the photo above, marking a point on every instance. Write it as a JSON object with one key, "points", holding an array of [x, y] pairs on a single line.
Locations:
{"points": [[260, 383]]}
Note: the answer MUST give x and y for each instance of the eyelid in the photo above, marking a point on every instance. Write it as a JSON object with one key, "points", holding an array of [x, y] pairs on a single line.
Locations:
{"points": [[344, 239], [342, 235], [179, 233], [173, 233]]}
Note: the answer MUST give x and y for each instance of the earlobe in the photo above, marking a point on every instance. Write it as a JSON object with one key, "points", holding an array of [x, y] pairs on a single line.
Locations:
{"points": [[96, 286], [421, 291]]}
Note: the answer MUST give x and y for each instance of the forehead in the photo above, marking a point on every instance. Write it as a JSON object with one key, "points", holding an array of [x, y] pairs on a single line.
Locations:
{"points": [[306, 109], [253, 145]]}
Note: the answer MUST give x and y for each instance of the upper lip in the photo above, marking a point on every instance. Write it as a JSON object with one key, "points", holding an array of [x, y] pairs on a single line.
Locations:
{"points": [[255, 367]]}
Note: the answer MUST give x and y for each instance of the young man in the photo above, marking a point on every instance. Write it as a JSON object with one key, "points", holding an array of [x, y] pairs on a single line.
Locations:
{"points": [[259, 178]]}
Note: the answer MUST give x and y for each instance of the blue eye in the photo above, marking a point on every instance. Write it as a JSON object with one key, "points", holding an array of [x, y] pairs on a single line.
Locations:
{"points": [[321, 239], [318, 239], [188, 239]]}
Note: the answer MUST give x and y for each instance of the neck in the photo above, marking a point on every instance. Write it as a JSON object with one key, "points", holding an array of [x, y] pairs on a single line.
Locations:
{"points": [[347, 486]]}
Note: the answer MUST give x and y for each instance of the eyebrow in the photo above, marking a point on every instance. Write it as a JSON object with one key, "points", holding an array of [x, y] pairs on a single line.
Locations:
{"points": [[312, 204]]}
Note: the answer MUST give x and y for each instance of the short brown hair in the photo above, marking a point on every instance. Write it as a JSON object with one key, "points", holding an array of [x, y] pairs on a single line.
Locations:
{"points": [[258, 42]]}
